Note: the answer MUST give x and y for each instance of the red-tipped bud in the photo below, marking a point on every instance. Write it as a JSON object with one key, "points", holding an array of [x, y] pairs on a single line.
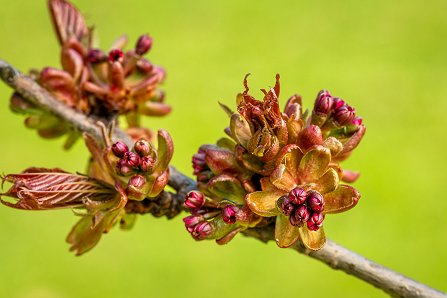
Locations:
{"points": [[357, 121], [96, 56], [194, 200], [191, 221], [137, 181], [116, 55], [315, 221], [324, 102], [298, 196], [119, 148], [147, 163], [286, 205], [122, 168], [344, 114], [338, 102], [202, 230], [315, 201], [143, 45], [229, 214], [142, 147], [300, 216], [132, 159]]}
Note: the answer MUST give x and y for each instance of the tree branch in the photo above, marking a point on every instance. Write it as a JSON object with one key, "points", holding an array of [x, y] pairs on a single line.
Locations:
{"points": [[332, 254]]}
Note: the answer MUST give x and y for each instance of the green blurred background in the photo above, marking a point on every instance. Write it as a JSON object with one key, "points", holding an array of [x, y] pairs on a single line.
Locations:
{"points": [[386, 58]]}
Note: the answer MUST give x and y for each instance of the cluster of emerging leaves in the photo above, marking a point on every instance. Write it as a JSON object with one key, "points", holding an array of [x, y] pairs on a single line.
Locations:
{"points": [[99, 84], [103, 87], [276, 168]]}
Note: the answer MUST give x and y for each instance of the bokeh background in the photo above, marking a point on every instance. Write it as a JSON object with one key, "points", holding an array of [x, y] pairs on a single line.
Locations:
{"points": [[386, 58]]}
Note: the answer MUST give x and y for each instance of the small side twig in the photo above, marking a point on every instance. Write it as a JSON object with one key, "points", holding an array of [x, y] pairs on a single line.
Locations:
{"points": [[332, 254]]}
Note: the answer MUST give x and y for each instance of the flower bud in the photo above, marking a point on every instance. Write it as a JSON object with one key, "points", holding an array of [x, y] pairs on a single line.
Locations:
{"points": [[122, 168], [315, 221], [298, 196], [116, 55], [300, 216], [357, 121], [344, 114], [132, 159], [202, 230], [324, 102], [143, 45], [142, 147], [229, 214], [315, 201], [194, 200], [286, 205], [119, 148], [310, 136], [191, 221], [147, 163], [137, 181], [338, 102], [96, 56]]}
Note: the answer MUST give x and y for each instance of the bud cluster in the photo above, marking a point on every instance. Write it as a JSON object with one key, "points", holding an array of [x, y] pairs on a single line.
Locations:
{"points": [[280, 164], [141, 159], [328, 108], [94, 82], [303, 207], [209, 220]]}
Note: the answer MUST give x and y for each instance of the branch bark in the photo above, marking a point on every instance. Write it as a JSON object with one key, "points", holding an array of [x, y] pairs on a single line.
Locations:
{"points": [[332, 254]]}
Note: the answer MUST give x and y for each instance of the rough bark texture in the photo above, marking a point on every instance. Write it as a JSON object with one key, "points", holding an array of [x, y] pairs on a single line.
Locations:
{"points": [[170, 204]]}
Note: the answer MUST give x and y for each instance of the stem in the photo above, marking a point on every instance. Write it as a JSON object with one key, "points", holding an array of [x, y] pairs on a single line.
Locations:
{"points": [[332, 254]]}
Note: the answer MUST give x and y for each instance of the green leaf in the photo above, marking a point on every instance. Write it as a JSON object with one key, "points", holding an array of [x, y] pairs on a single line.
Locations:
{"points": [[342, 199], [314, 163], [263, 203], [313, 240], [285, 234]]}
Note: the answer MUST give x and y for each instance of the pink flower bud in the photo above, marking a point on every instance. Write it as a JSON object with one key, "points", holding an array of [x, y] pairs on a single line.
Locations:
{"points": [[122, 168], [324, 102], [315, 221], [315, 201], [142, 147], [119, 148], [357, 121], [147, 163], [132, 159], [229, 214], [338, 102], [191, 221], [344, 114], [298, 196], [96, 56], [194, 200], [116, 55], [137, 181], [202, 230], [300, 216], [286, 205], [143, 45]]}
